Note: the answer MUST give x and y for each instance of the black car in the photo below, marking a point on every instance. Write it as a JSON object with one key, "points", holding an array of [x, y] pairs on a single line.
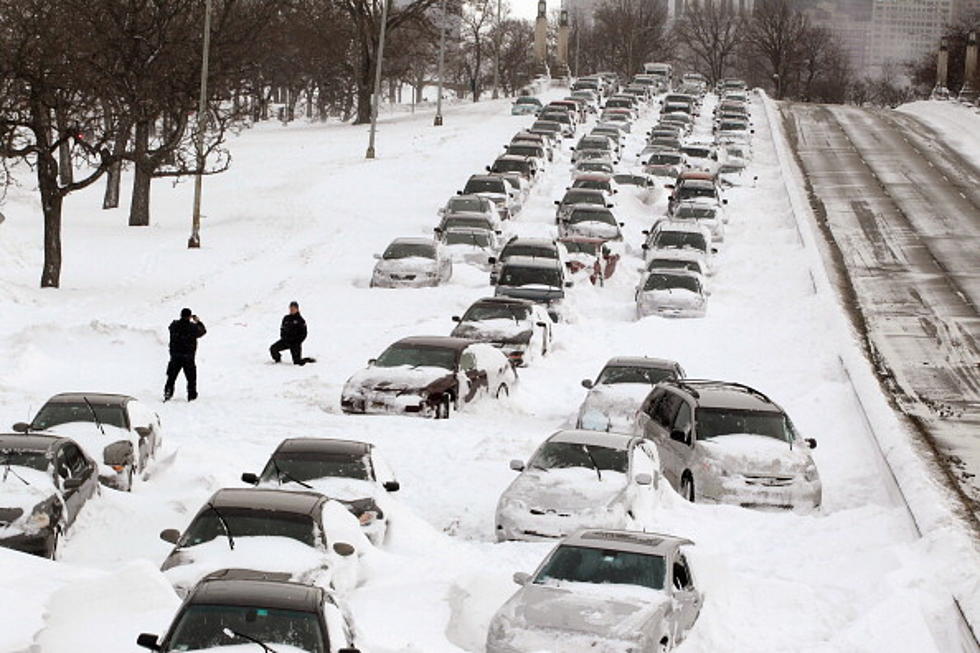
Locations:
{"points": [[241, 607], [45, 481]]}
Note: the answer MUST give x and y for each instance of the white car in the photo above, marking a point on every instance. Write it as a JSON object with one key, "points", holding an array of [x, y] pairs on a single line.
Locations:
{"points": [[590, 221], [705, 213], [579, 479], [472, 205], [519, 328], [669, 236], [671, 293], [495, 189], [470, 246], [412, 263], [622, 385]]}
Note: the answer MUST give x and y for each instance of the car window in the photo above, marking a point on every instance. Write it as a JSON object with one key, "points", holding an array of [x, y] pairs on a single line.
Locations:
{"points": [[682, 574], [74, 460], [682, 421], [467, 361], [61, 465], [665, 410], [641, 462]]}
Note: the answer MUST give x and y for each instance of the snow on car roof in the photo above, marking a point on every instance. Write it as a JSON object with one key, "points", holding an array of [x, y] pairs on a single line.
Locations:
{"points": [[724, 394], [103, 398], [267, 499], [31, 442], [504, 301], [252, 589], [597, 438], [322, 445], [445, 342], [634, 541], [415, 240], [675, 225], [531, 262], [641, 361], [593, 176]]}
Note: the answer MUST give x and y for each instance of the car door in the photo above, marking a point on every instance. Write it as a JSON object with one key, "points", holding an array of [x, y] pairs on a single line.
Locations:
{"points": [[476, 377], [683, 423], [71, 464], [641, 497], [687, 598], [672, 457]]}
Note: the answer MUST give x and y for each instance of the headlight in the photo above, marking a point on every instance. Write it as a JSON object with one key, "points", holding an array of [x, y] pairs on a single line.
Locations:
{"points": [[367, 517], [510, 503], [36, 522], [810, 473]]}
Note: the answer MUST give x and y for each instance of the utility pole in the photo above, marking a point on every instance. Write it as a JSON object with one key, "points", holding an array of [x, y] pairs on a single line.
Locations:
{"points": [[194, 242], [376, 100], [437, 121]]}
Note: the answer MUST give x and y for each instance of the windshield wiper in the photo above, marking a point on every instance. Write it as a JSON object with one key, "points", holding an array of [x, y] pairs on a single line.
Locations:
{"points": [[224, 525], [284, 475], [595, 465], [231, 634], [94, 415], [8, 470]]}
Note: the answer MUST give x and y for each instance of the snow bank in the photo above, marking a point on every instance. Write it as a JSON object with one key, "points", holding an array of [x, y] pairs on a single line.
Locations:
{"points": [[958, 125]]}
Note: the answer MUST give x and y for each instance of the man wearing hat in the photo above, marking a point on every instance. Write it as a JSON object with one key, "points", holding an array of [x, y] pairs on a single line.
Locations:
{"points": [[292, 333], [183, 347]]}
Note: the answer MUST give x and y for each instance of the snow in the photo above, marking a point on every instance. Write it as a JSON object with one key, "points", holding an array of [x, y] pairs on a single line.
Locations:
{"points": [[23, 488], [958, 125], [298, 217]]}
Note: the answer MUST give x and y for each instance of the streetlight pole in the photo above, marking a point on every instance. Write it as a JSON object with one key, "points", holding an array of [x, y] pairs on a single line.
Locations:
{"points": [[377, 78], [437, 121], [194, 242]]}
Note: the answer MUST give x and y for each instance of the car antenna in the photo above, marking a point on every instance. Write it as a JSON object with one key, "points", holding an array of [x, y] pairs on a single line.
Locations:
{"points": [[94, 415], [224, 525]]}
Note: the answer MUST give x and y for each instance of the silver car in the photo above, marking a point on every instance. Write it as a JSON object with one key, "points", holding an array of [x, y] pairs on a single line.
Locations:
{"points": [[622, 385], [412, 263], [602, 591], [723, 442], [579, 479]]}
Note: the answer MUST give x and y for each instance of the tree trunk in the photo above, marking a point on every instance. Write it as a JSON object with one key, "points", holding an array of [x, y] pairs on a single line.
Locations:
{"points": [[365, 83], [51, 202], [114, 173], [139, 205], [64, 148]]}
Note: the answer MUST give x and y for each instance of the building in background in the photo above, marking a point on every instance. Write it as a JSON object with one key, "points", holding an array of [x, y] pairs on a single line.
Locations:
{"points": [[903, 31], [849, 21]]}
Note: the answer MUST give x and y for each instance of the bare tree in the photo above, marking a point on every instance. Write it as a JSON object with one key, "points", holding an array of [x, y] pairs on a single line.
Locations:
{"points": [[710, 34], [624, 35], [775, 32]]}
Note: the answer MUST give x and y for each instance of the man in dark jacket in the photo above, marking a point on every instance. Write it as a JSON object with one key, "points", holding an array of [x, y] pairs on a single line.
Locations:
{"points": [[292, 333], [183, 346]]}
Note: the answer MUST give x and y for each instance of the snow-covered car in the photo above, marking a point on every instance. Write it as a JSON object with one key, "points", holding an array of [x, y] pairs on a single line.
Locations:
{"points": [[591, 98], [565, 119], [303, 535], [523, 165], [590, 221], [580, 196], [470, 246], [412, 263], [682, 120], [472, 205], [117, 431], [429, 376], [596, 181], [242, 610], [670, 236], [622, 385], [602, 591], [549, 128], [579, 479], [612, 132], [664, 163], [703, 155], [593, 255], [526, 106], [677, 259], [541, 140], [347, 471], [700, 186], [529, 149], [671, 293], [723, 442], [596, 142], [592, 165], [733, 131], [495, 189], [705, 213], [538, 279], [45, 481], [516, 246], [519, 328]]}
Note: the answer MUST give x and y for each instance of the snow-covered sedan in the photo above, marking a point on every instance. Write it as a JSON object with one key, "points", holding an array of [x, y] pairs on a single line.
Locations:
{"points": [[605, 591], [242, 610], [707, 214], [671, 237], [518, 327], [588, 221], [45, 481], [723, 442], [471, 246], [429, 376], [538, 279], [580, 196], [516, 246], [412, 263], [664, 163], [579, 479], [496, 190], [347, 471], [117, 430], [472, 205], [671, 293], [622, 385], [304, 536]]}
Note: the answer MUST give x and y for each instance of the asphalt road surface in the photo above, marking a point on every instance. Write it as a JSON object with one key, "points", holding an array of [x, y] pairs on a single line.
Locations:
{"points": [[903, 211]]}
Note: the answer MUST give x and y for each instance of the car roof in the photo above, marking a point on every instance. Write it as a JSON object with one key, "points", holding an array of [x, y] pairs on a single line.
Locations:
{"points": [[593, 176], [484, 178], [642, 361], [29, 442], [505, 301], [102, 398], [252, 589], [598, 438], [300, 503], [413, 240], [442, 342], [514, 157], [726, 394], [632, 541], [323, 445], [696, 175], [680, 225], [598, 193], [532, 262], [537, 242]]}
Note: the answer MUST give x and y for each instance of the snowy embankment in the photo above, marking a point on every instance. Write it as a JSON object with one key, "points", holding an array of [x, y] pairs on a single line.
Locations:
{"points": [[958, 125], [298, 217]]}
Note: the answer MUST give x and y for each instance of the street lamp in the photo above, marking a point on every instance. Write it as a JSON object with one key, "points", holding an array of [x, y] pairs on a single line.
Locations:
{"points": [[377, 78], [194, 242], [437, 121]]}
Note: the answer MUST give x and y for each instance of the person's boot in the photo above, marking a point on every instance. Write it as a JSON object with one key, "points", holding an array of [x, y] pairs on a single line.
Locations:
{"points": [[167, 394], [191, 396]]}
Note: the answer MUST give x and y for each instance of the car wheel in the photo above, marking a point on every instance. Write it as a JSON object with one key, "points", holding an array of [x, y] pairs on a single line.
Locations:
{"points": [[503, 391], [687, 488], [444, 409]]}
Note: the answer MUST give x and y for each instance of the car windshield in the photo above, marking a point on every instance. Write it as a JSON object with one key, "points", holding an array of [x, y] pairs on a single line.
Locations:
{"points": [[33, 459], [495, 311], [583, 196], [674, 264], [249, 523], [417, 356], [409, 250], [517, 275], [579, 564], [56, 413], [660, 281], [485, 186], [201, 626], [689, 190], [310, 466], [592, 184], [521, 249], [473, 238], [507, 165], [467, 205], [581, 247], [664, 160], [587, 215], [612, 374], [528, 100], [562, 455], [594, 144], [523, 150], [547, 125], [680, 239], [594, 166], [733, 126], [695, 212], [697, 152], [460, 221], [715, 422]]}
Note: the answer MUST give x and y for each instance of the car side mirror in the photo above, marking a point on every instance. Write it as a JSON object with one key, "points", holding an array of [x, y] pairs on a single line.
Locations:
{"points": [[456, 318], [497, 231], [250, 478], [72, 483], [21, 427], [569, 284], [812, 443], [343, 549], [148, 640], [622, 224], [644, 246], [170, 535], [438, 230], [610, 205], [459, 192], [488, 168], [349, 650], [377, 256], [143, 431], [391, 486], [645, 232], [724, 201], [643, 479], [541, 324], [522, 577], [492, 260], [714, 250], [557, 203], [678, 436], [372, 361], [517, 465], [587, 384]]}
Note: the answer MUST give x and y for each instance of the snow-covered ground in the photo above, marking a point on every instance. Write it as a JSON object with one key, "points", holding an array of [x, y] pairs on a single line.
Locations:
{"points": [[298, 217], [958, 125]]}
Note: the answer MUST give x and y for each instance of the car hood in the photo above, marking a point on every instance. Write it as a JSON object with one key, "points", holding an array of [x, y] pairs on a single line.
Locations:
{"points": [[409, 264], [594, 229], [680, 297], [18, 498], [609, 611], [502, 330], [336, 487], [398, 379], [574, 489], [618, 398], [184, 567], [746, 452], [93, 442]]}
